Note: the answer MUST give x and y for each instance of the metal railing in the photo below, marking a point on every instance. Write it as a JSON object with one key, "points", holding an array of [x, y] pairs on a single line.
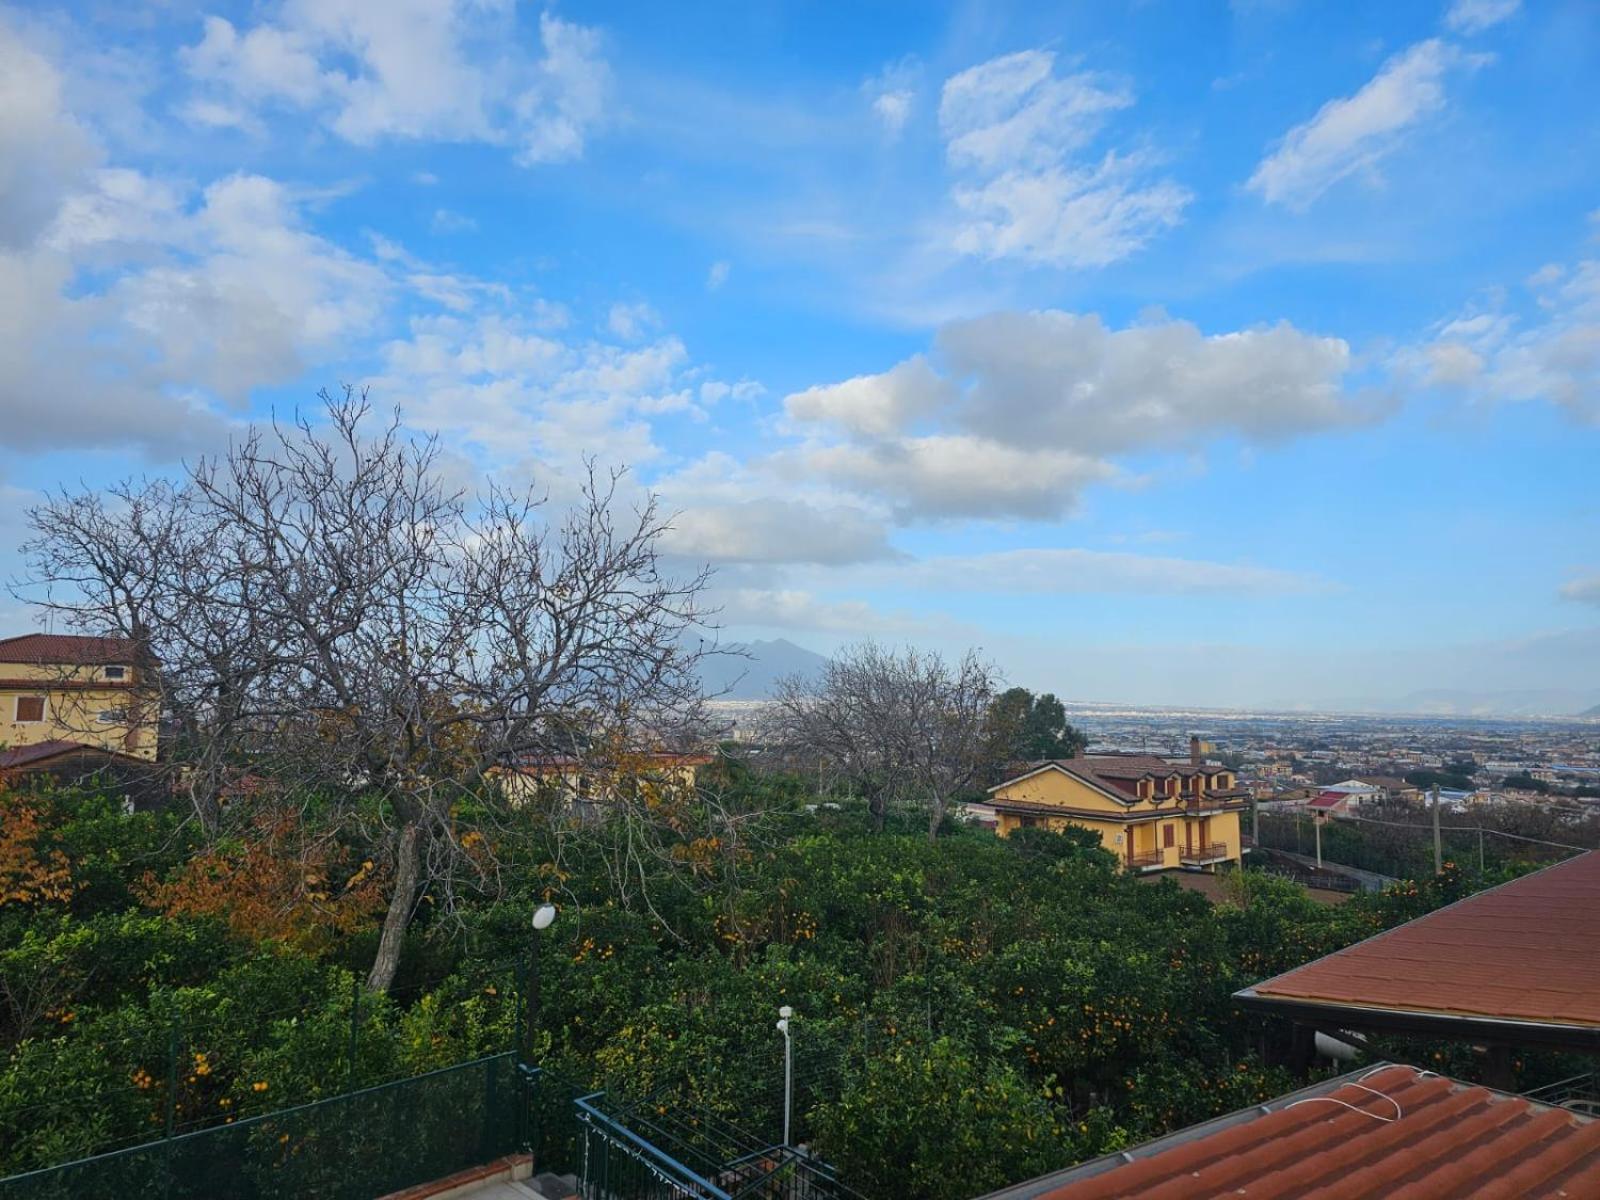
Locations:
{"points": [[349, 1147], [1145, 858], [651, 1151], [1580, 1093], [1210, 852]]}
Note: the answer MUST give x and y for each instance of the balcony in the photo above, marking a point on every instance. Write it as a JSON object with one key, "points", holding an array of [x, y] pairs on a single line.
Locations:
{"points": [[1211, 852], [1145, 860]]}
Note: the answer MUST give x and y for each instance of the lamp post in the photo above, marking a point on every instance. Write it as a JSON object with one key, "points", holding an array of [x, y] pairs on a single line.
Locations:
{"points": [[784, 1014], [542, 917]]}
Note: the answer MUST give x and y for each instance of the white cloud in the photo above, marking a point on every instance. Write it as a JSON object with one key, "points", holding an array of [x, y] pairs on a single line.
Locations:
{"points": [[1013, 134], [446, 222], [630, 322], [1354, 134], [892, 94], [1065, 379], [770, 529], [1493, 355], [1087, 217], [718, 275], [449, 70], [1585, 590], [132, 304], [960, 475], [44, 151], [568, 96], [1474, 16], [875, 405], [1029, 408]]}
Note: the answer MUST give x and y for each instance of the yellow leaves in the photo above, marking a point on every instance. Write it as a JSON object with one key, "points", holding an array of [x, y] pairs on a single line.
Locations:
{"points": [[31, 871], [260, 1085]]}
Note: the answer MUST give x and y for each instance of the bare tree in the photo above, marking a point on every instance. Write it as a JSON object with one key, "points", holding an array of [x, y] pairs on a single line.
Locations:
{"points": [[905, 728], [322, 612]]}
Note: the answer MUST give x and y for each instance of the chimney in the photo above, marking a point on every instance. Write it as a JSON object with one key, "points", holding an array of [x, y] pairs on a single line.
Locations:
{"points": [[1196, 757]]}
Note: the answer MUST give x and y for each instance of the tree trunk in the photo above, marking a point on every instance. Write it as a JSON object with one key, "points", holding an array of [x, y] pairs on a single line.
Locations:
{"points": [[876, 807], [936, 818], [406, 864]]}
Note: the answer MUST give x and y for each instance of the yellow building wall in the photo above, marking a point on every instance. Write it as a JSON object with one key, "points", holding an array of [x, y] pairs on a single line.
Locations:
{"points": [[1146, 837], [1057, 787], [74, 713]]}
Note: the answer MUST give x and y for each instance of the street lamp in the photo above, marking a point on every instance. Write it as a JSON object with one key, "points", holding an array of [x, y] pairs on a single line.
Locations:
{"points": [[784, 1014], [542, 917]]}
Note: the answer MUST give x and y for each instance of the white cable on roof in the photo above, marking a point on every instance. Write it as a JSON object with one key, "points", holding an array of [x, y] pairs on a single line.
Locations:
{"points": [[1398, 1111]]}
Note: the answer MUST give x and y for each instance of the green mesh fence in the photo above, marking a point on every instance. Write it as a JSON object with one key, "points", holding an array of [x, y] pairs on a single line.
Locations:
{"points": [[351, 1147]]}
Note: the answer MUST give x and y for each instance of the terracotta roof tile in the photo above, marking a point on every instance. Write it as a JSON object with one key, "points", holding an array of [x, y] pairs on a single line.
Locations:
{"points": [[53, 649], [1528, 950], [1393, 1132]]}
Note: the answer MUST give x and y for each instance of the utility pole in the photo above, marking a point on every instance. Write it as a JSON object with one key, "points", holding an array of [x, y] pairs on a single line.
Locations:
{"points": [[1438, 847], [1316, 823]]}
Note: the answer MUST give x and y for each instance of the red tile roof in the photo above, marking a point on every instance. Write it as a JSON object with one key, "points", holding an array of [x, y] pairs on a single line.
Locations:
{"points": [[19, 757], [1526, 951], [58, 649], [1328, 800], [1389, 1133]]}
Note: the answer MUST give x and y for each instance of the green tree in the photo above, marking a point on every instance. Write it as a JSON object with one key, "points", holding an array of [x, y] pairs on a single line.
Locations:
{"points": [[1025, 727]]}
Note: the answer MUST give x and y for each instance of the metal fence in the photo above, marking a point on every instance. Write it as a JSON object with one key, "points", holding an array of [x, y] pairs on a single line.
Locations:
{"points": [[350, 1147], [649, 1151]]}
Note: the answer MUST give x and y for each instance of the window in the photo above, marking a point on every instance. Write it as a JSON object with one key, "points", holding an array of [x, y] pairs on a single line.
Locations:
{"points": [[1168, 836], [111, 716], [116, 672], [30, 708]]}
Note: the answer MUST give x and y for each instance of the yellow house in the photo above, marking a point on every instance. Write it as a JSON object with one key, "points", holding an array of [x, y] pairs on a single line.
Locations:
{"points": [[69, 690], [1153, 814], [587, 783]]}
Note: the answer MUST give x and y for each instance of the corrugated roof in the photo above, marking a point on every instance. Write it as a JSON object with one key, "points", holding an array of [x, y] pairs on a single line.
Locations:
{"points": [[1393, 1132], [21, 756], [56, 649], [1528, 950]]}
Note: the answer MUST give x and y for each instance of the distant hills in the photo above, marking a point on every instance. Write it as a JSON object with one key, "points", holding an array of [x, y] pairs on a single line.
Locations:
{"points": [[751, 676]]}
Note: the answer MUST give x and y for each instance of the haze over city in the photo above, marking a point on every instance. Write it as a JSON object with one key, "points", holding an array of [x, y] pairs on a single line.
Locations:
{"points": [[1173, 354]]}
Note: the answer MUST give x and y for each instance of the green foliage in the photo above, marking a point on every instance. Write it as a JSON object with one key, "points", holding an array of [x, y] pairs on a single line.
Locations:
{"points": [[969, 1012], [1024, 728]]}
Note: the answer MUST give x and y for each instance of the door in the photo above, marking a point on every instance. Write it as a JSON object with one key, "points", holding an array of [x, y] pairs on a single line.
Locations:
{"points": [[1169, 836]]}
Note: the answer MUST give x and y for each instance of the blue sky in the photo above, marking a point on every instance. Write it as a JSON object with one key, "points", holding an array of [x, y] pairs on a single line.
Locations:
{"points": [[1227, 354]]}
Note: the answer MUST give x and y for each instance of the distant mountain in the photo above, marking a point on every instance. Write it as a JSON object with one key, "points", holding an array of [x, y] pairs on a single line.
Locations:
{"points": [[1591, 712], [750, 676]]}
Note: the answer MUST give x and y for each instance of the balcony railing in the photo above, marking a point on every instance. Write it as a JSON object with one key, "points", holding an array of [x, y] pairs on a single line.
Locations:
{"points": [[1210, 852], [1144, 859]]}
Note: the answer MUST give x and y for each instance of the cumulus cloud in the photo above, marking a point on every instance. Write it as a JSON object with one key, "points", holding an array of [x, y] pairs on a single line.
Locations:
{"points": [[1495, 355], [44, 151], [1026, 409], [133, 303], [960, 475], [427, 69], [875, 405], [1354, 134], [1474, 16], [717, 275], [1014, 131]]}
